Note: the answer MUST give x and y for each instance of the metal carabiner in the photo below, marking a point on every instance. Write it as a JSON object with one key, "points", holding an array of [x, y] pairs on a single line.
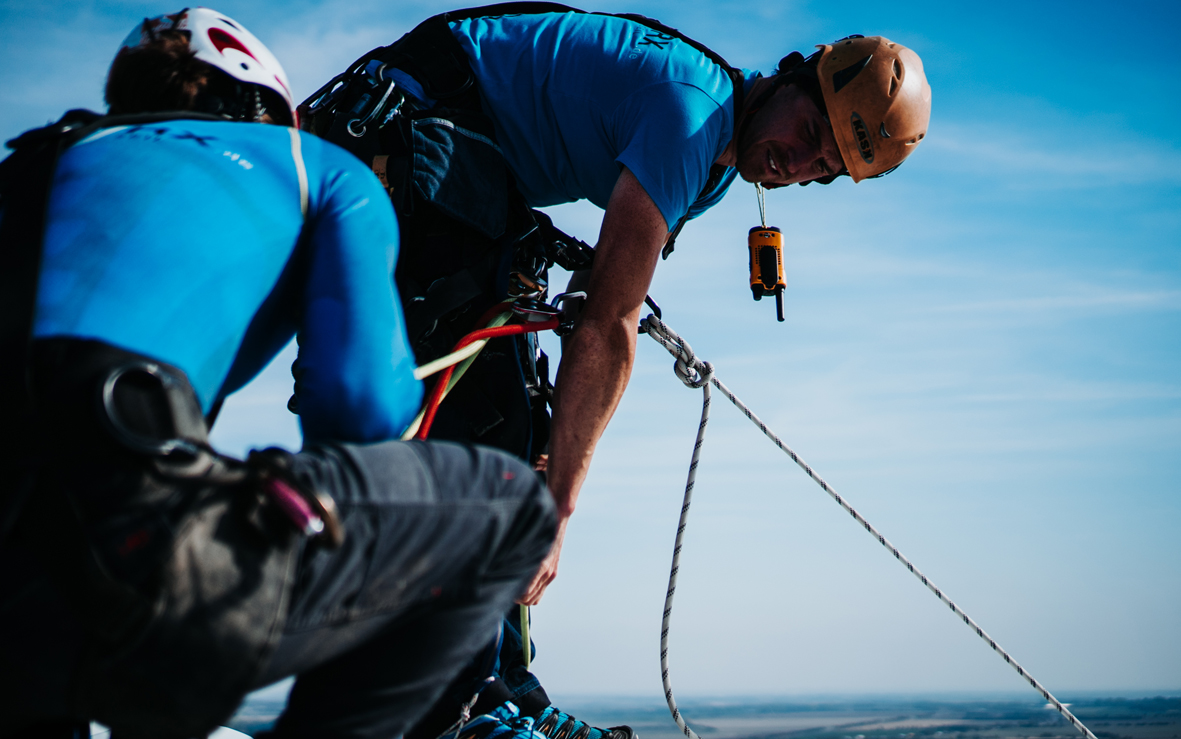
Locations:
{"points": [[365, 117], [326, 95], [557, 301], [533, 311]]}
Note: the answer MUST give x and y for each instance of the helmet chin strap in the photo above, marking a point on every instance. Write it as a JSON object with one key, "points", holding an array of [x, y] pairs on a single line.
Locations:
{"points": [[244, 104]]}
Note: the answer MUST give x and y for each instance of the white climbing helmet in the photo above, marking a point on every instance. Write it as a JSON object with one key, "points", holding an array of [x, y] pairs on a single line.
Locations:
{"points": [[222, 42]]}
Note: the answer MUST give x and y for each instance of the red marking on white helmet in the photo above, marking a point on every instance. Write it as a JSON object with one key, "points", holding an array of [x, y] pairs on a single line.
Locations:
{"points": [[222, 40], [282, 85]]}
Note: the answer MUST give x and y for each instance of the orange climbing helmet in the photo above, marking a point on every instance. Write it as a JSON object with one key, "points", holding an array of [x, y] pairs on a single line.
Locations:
{"points": [[877, 99]]}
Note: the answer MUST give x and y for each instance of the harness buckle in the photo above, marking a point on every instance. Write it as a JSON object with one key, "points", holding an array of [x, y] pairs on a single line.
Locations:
{"points": [[312, 513]]}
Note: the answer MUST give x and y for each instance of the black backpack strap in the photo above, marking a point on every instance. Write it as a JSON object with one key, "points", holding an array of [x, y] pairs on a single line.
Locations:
{"points": [[25, 180]]}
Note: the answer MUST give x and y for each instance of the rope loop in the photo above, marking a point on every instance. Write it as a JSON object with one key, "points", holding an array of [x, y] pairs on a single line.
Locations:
{"points": [[694, 372]]}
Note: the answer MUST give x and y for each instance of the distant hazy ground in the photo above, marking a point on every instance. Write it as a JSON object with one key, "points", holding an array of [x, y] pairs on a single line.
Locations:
{"points": [[852, 718]]}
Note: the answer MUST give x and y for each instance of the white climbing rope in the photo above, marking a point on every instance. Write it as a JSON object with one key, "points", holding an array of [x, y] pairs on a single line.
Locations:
{"points": [[696, 373]]}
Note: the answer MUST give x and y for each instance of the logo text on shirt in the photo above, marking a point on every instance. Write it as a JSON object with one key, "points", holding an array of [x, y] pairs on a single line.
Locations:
{"points": [[237, 158], [657, 39]]}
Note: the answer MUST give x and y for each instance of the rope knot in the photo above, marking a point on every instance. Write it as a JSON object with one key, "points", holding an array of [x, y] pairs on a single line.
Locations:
{"points": [[694, 372]]}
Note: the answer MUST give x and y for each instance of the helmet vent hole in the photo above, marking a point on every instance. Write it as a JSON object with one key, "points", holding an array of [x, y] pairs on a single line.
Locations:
{"points": [[893, 86], [244, 65], [897, 69]]}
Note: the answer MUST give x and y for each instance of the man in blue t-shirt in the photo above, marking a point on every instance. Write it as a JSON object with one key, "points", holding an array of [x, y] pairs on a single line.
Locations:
{"points": [[552, 105], [153, 581]]}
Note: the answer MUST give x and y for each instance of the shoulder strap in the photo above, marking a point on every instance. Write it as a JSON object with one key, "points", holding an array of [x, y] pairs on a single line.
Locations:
{"points": [[25, 178]]}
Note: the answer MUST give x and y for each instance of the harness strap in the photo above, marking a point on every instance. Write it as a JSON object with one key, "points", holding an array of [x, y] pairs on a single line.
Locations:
{"points": [[26, 177]]}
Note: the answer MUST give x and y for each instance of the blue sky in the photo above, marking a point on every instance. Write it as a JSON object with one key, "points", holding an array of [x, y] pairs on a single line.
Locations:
{"points": [[982, 352]]}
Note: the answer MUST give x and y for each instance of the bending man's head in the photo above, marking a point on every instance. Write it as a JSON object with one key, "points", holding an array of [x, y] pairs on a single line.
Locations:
{"points": [[199, 60], [858, 107]]}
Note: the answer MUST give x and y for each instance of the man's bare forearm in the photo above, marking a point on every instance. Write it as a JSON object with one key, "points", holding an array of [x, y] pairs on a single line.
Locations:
{"points": [[593, 375], [597, 359]]}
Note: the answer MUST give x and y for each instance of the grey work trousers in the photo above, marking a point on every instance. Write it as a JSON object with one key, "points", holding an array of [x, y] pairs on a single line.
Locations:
{"points": [[440, 539]]}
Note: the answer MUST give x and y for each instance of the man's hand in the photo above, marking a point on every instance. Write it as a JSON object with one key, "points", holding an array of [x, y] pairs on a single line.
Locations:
{"points": [[597, 359], [548, 570]]}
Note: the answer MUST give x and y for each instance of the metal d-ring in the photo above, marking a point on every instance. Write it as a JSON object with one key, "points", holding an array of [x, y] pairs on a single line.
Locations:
{"points": [[568, 296], [135, 441]]}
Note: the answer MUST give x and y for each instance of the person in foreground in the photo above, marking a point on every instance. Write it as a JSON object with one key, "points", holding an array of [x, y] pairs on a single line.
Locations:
{"points": [[477, 116], [146, 581]]}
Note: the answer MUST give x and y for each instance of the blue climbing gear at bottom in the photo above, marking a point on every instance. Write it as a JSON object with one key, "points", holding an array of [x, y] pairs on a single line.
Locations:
{"points": [[503, 722], [554, 724]]}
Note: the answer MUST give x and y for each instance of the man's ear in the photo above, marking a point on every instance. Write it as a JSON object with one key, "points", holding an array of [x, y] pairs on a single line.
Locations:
{"points": [[789, 62]]}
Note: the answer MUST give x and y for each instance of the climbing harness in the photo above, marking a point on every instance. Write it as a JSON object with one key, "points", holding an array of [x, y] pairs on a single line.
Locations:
{"points": [[696, 373], [26, 177], [85, 416]]}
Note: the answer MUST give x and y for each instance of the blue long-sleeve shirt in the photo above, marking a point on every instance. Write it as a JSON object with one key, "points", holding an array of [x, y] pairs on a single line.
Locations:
{"points": [[185, 241]]}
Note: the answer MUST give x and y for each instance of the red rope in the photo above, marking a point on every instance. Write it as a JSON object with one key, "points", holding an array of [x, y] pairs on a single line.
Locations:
{"points": [[428, 416]]}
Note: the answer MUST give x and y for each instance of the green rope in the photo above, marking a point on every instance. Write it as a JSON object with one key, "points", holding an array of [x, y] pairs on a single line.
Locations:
{"points": [[526, 650]]}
